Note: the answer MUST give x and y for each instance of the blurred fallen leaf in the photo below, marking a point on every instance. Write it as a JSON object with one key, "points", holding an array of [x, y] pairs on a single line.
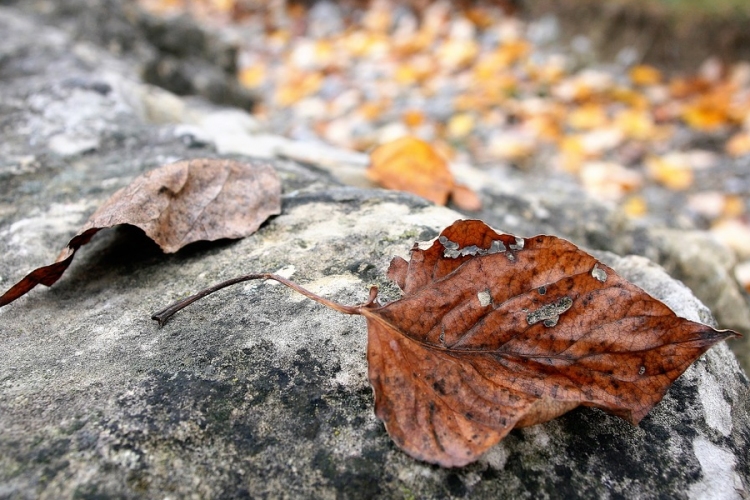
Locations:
{"points": [[413, 118], [735, 234], [410, 164], [739, 144], [644, 74], [609, 180], [635, 206], [460, 125], [466, 198], [635, 124], [587, 117], [177, 204], [672, 171], [253, 76]]}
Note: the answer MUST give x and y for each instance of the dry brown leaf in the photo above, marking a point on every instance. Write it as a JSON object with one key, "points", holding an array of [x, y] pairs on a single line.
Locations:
{"points": [[495, 332], [177, 204], [410, 164]]}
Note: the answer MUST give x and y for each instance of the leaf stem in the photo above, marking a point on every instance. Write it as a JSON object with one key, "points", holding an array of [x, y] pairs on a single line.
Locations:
{"points": [[163, 315]]}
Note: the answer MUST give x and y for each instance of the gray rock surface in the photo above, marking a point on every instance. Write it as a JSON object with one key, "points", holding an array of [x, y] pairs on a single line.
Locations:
{"points": [[256, 392], [174, 53]]}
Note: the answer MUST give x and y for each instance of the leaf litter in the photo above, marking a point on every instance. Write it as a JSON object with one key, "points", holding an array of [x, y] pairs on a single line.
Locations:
{"points": [[176, 204], [480, 344]]}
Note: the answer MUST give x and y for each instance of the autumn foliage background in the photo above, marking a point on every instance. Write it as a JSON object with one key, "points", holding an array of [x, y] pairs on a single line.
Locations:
{"points": [[487, 87]]}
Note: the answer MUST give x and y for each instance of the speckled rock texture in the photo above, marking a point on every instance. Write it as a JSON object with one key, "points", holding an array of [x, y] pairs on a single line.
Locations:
{"points": [[256, 392]]}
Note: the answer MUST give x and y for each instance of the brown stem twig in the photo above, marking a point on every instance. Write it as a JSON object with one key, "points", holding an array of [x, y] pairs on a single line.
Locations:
{"points": [[166, 313]]}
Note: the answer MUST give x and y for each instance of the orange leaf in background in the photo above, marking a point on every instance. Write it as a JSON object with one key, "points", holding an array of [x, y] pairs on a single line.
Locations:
{"points": [[479, 16], [587, 117], [705, 114], [734, 206], [644, 75], [465, 198], [410, 164], [679, 88], [739, 144], [495, 332], [413, 118]]}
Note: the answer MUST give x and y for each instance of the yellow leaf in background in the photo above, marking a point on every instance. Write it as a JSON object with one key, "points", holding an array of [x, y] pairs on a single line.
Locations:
{"points": [[461, 125], [299, 85], [253, 76], [405, 75], [635, 124], [514, 50], [572, 154], [223, 5], [671, 171], [631, 97], [325, 53], [545, 74], [635, 206], [734, 206], [355, 43], [412, 44], [483, 98], [488, 66], [644, 75], [739, 144], [587, 117], [457, 53], [415, 70]]}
